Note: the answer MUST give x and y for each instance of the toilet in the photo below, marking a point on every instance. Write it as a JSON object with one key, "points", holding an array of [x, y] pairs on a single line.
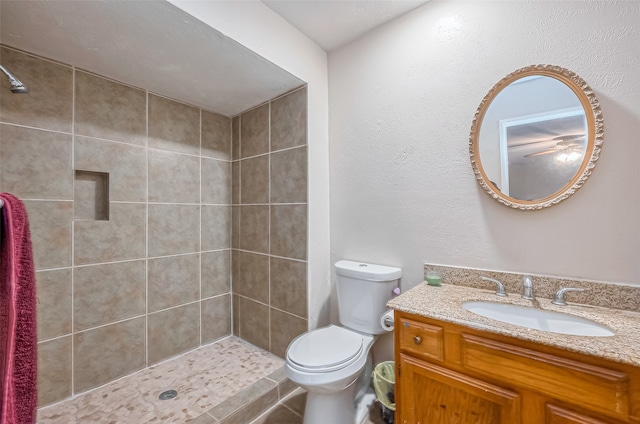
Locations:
{"points": [[334, 363]]}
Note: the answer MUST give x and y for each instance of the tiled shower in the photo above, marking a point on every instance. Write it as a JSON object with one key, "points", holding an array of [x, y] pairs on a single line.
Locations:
{"points": [[157, 226]]}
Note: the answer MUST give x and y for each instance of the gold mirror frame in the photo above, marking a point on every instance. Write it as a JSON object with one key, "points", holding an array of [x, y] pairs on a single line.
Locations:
{"points": [[595, 125]]}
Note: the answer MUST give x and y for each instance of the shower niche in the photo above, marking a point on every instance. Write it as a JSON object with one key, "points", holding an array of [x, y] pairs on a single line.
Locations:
{"points": [[91, 195]]}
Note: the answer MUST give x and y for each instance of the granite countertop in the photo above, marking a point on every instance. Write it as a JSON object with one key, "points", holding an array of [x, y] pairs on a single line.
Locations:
{"points": [[443, 303]]}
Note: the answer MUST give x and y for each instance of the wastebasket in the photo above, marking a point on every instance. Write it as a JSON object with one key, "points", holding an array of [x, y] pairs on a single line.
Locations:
{"points": [[384, 378]]}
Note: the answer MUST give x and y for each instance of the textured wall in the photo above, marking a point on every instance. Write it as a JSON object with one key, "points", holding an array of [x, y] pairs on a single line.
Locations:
{"points": [[401, 103], [153, 280]]}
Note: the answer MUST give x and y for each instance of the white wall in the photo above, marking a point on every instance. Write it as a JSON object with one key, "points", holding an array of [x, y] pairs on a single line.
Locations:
{"points": [[258, 28], [401, 101]]}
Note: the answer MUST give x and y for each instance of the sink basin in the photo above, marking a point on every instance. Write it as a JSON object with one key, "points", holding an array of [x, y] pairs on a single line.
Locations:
{"points": [[538, 319]]}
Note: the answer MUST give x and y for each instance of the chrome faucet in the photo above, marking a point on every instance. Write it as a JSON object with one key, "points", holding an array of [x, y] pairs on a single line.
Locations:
{"points": [[500, 291], [558, 299], [527, 288]]}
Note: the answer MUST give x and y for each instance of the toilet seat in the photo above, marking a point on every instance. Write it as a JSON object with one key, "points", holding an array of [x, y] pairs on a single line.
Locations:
{"points": [[326, 349]]}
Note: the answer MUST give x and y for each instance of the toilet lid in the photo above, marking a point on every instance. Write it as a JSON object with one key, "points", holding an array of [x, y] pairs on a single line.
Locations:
{"points": [[325, 349]]}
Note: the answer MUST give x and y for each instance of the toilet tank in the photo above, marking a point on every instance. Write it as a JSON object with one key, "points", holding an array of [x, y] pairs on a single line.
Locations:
{"points": [[363, 291]]}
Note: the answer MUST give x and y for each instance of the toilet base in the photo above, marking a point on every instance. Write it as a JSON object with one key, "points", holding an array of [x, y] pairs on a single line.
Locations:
{"points": [[338, 407]]}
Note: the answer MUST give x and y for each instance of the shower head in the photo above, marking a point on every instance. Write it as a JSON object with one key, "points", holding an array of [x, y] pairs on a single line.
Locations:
{"points": [[16, 85]]}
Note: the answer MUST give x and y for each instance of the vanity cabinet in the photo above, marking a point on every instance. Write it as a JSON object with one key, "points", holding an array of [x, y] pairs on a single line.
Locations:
{"points": [[448, 374]]}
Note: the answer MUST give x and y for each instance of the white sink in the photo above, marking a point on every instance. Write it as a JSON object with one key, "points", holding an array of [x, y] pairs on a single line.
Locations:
{"points": [[538, 319]]}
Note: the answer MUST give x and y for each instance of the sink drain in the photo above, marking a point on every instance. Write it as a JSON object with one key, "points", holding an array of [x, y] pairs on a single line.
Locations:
{"points": [[168, 394]]}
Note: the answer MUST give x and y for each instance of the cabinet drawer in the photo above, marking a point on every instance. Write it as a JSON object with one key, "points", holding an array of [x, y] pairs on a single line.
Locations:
{"points": [[420, 339], [600, 389]]}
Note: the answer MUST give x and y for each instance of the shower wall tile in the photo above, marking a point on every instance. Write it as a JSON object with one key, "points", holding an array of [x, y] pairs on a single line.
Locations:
{"points": [[54, 370], [173, 281], [216, 136], [173, 126], [109, 110], [49, 102], [235, 227], [106, 353], [173, 229], [289, 231], [289, 286], [254, 180], [173, 331], [108, 292], [235, 182], [122, 237], [216, 182], [289, 176], [289, 120], [251, 275], [254, 132], [50, 225], [215, 273], [254, 323], [53, 290], [216, 318], [236, 314], [254, 230], [235, 138], [36, 164], [284, 328], [125, 164], [173, 178], [216, 227]]}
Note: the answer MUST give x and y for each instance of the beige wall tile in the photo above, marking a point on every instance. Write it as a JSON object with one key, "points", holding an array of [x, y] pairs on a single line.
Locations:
{"points": [[49, 102], [122, 237], [173, 177], [254, 132], [251, 275], [110, 110], [235, 138], [288, 290], [216, 227], [216, 136], [54, 370], [216, 182], [125, 164], [173, 125], [173, 331], [254, 323], [236, 314], [53, 290], [284, 328], [235, 227], [216, 273], [289, 120], [254, 228], [173, 281], [50, 225], [289, 176], [254, 180], [106, 353], [173, 229], [36, 164], [235, 183], [108, 292], [216, 318], [289, 231]]}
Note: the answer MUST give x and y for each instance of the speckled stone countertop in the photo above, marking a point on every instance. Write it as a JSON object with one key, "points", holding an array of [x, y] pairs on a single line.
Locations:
{"points": [[444, 303]]}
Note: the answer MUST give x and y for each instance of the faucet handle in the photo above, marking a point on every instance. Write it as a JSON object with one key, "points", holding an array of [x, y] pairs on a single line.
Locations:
{"points": [[558, 299], [500, 291]]}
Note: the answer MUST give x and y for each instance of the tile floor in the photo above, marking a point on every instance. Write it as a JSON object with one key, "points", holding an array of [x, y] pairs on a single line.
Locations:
{"points": [[204, 378]]}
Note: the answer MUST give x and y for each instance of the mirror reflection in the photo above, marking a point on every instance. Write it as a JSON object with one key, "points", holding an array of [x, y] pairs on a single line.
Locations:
{"points": [[535, 137]]}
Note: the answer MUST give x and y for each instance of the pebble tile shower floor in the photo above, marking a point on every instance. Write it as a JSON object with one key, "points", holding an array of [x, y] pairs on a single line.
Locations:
{"points": [[204, 378]]}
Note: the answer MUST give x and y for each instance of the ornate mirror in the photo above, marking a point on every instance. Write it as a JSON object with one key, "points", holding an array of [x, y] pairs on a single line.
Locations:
{"points": [[536, 137]]}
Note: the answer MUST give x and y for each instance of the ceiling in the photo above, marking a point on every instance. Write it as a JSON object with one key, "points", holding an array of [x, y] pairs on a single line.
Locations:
{"points": [[334, 23], [158, 47]]}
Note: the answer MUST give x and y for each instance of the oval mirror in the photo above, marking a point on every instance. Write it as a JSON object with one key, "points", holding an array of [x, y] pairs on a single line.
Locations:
{"points": [[536, 137]]}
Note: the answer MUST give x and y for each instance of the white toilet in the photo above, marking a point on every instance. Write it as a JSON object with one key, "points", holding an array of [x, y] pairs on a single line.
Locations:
{"points": [[333, 363]]}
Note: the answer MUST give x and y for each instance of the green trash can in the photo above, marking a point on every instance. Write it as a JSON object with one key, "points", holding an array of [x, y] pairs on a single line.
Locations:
{"points": [[384, 379]]}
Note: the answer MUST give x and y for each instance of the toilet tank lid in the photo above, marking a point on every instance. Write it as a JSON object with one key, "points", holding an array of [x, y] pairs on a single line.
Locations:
{"points": [[365, 271]]}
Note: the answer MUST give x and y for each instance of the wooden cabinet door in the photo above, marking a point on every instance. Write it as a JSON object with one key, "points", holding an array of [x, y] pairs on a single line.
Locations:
{"points": [[430, 394], [557, 415]]}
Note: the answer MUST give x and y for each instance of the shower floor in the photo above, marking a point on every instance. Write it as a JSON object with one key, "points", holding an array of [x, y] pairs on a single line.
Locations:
{"points": [[217, 380]]}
